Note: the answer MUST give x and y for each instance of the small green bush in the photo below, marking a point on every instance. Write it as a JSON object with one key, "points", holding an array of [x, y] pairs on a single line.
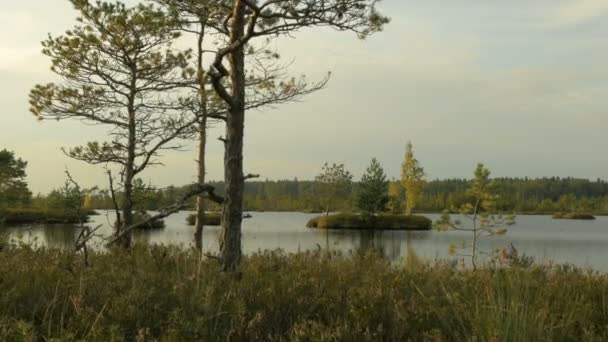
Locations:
{"points": [[384, 221], [211, 219]]}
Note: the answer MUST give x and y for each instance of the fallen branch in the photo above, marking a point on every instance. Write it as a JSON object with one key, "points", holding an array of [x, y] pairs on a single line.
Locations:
{"points": [[195, 190], [81, 242], [85, 235]]}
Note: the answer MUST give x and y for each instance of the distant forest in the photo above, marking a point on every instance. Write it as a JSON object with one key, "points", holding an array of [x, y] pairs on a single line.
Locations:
{"points": [[520, 195]]}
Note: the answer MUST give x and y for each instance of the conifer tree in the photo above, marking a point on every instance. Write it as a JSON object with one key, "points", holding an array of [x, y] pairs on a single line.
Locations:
{"points": [[373, 189], [480, 211], [13, 188], [119, 69], [250, 20]]}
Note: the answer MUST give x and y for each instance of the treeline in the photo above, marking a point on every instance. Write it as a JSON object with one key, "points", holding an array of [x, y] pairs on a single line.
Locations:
{"points": [[521, 195]]}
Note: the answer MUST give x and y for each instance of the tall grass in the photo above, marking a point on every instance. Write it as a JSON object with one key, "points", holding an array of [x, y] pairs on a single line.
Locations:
{"points": [[170, 294]]}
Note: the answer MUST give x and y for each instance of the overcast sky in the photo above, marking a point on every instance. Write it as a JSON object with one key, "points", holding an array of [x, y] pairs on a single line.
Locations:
{"points": [[519, 85]]}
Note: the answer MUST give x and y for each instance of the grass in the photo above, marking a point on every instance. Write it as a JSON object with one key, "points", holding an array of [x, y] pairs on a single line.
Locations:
{"points": [[169, 294], [18, 216], [383, 221], [573, 216], [211, 219]]}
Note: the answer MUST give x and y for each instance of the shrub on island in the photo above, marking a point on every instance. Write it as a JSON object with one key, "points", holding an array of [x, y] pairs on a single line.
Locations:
{"points": [[211, 219], [573, 216], [381, 222], [142, 217], [19, 216]]}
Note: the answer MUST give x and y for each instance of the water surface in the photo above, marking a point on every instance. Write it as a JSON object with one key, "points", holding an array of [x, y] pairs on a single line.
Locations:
{"points": [[582, 243]]}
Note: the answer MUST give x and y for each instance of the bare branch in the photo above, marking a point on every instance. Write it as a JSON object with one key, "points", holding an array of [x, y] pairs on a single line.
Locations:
{"points": [[196, 189]]}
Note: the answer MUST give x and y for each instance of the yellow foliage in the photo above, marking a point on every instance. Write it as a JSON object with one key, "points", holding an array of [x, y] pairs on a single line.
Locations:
{"points": [[88, 202]]}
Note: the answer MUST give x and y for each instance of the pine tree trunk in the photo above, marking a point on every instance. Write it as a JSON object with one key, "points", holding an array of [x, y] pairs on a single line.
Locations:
{"points": [[230, 244], [127, 209], [200, 200]]}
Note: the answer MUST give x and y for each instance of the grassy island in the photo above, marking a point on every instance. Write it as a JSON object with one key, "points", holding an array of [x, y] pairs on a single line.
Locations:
{"points": [[573, 216], [370, 222], [211, 219], [20, 216]]}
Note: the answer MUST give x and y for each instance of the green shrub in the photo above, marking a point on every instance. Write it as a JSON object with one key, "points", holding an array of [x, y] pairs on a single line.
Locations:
{"points": [[211, 219], [19, 216], [169, 294], [385, 221]]}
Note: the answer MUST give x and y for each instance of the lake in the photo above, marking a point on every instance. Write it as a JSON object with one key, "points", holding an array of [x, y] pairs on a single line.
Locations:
{"points": [[582, 243]]}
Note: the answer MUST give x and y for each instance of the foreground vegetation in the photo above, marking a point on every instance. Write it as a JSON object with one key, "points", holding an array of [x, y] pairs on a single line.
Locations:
{"points": [[371, 222], [170, 294]]}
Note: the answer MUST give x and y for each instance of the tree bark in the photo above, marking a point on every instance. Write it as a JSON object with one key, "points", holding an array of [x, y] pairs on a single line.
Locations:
{"points": [[129, 175], [202, 145], [230, 243], [127, 208], [200, 200]]}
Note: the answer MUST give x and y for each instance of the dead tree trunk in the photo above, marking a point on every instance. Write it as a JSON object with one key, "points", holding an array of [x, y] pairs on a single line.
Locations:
{"points": [[230, 244]]}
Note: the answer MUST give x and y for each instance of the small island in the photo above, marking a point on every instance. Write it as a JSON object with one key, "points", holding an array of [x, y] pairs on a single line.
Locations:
{"points": [[211, 219], [573, 216], [26, 216], [371, 222]]}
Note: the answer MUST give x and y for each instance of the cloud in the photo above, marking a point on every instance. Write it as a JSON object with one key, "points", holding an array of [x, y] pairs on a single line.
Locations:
{"points": [[575, 12]]}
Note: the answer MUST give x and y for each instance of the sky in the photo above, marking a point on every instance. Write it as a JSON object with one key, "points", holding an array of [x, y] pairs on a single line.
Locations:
{"points": [[518, 85]]}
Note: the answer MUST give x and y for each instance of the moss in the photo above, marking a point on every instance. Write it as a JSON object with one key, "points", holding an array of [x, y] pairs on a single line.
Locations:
{"points": [[573, 216], [384, 221], [211, 219], [21, 216]]}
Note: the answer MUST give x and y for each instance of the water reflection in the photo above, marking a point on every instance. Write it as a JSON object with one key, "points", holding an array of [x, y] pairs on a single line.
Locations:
{"points": [[59, 236], [579, 242]]}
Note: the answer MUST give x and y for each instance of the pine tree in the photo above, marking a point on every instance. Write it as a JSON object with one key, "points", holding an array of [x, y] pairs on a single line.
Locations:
{"points": [[480, 211], [412, 179], [373, 189], [13, 188], [119, 68]]}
